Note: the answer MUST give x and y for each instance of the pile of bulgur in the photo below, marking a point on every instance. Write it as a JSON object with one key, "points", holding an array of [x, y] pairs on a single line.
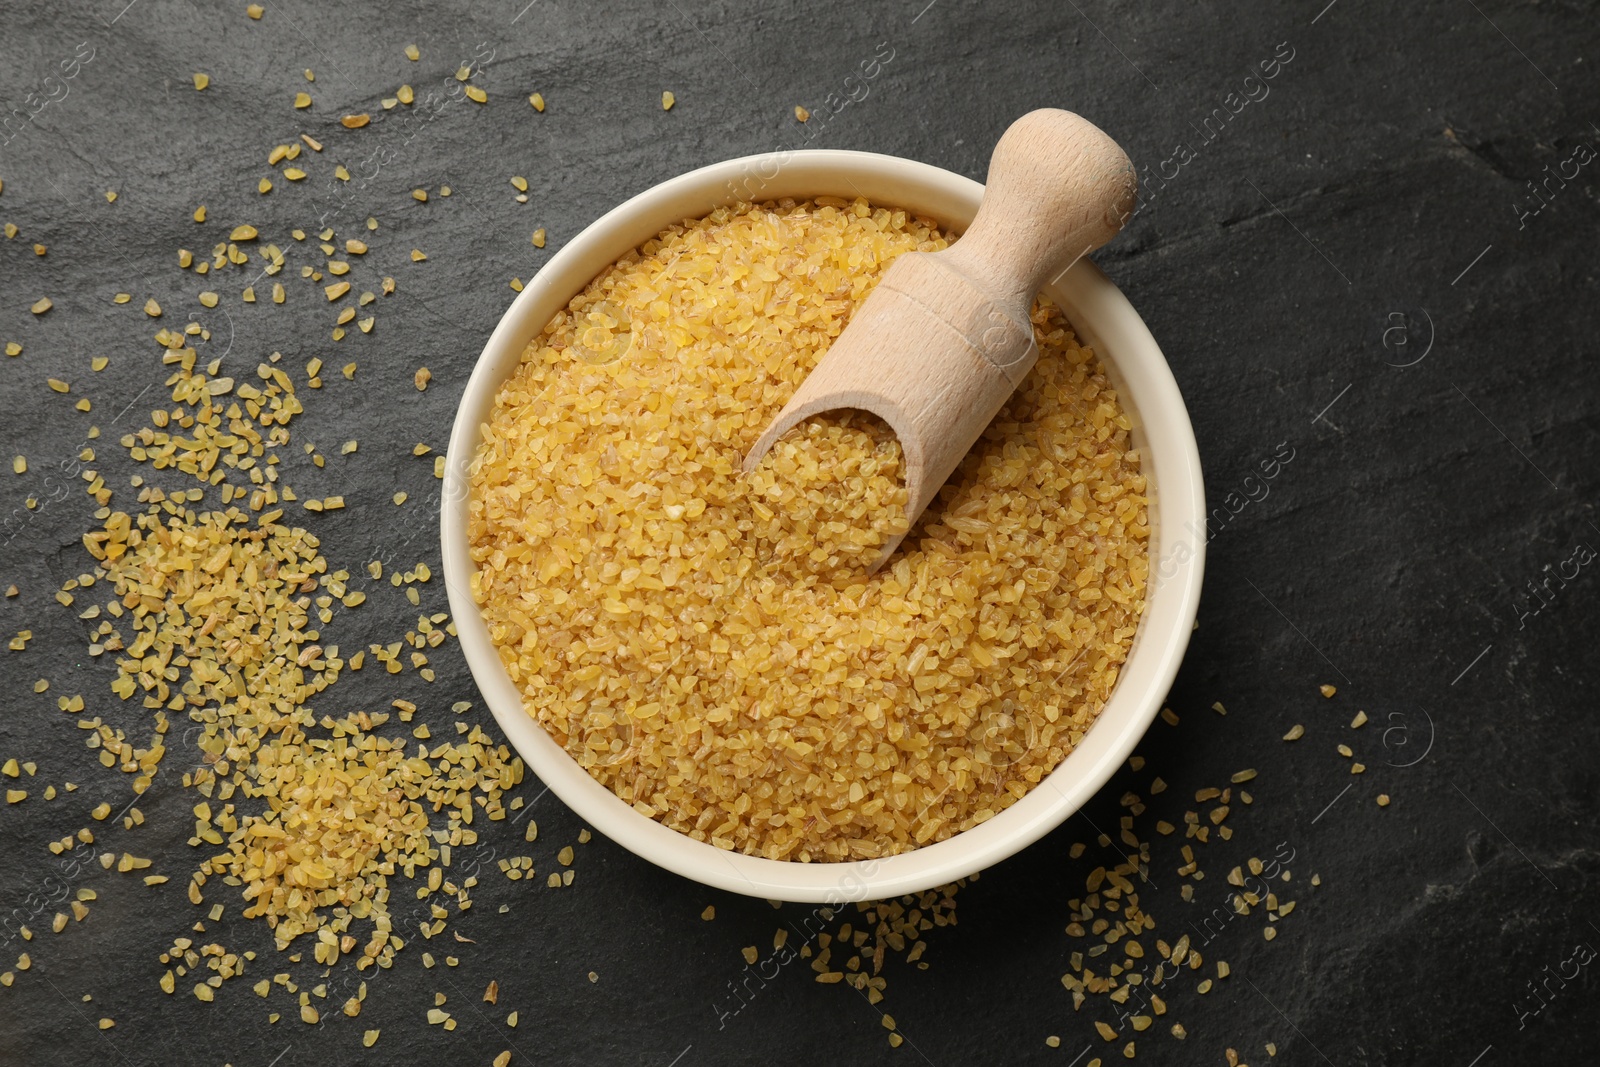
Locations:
{"points": [[828, 495], [661, 613], [215, 614]]}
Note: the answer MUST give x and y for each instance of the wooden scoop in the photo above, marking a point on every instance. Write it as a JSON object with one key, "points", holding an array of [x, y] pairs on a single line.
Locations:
{"points": [[938, 347]]}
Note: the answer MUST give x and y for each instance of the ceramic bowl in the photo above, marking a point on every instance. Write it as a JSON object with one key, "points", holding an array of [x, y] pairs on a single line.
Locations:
{"points": [[1102, 317]]}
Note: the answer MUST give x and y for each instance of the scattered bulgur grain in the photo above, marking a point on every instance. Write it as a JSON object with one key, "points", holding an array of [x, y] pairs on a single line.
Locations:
{"points": [[667, 100], [1383, 800], [201, 81], [421, 378], [537, 101], [1327, 690], [801, 113], [710, 912], [241, 574], [1296, 732], [355, 122], [1359, 721]]}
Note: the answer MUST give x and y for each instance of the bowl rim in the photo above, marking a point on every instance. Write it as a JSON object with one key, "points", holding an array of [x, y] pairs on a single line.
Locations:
{"points": [[1101, 316]]}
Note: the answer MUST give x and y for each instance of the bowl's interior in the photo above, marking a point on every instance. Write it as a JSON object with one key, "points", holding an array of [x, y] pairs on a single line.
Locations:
{"points": [[1102, 318]]}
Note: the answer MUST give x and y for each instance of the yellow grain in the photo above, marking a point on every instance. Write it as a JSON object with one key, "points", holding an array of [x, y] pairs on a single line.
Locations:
{"points": [[709, 645]]}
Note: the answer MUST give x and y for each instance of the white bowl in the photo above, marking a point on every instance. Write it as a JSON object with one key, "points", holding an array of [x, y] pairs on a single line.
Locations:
{"points": [[1102, 317]]}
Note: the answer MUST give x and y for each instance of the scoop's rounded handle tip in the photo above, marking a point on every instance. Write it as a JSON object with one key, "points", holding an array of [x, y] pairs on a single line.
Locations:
{"points": [[1058, 187]]}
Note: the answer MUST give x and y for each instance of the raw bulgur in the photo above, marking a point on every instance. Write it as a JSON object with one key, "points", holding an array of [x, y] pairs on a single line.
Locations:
{"points": [[665, 619]]}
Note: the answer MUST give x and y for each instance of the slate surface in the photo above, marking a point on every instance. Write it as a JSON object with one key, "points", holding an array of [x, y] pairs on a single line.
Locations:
{"points": [[1352, 269]]}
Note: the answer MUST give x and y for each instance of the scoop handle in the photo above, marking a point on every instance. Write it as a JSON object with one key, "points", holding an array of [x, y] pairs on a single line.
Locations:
{"points": [[1058, 188]]}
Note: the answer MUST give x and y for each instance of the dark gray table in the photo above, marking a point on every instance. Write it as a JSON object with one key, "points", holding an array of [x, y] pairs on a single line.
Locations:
{"points": [[1346, 262]]}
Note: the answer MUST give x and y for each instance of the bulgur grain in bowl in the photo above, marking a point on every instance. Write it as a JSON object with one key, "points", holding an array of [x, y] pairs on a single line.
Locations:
{"points": [[699, 662]]}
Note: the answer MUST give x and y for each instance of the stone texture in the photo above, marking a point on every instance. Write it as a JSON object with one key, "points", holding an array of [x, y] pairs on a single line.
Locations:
{"points": [[1372, 196]]}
